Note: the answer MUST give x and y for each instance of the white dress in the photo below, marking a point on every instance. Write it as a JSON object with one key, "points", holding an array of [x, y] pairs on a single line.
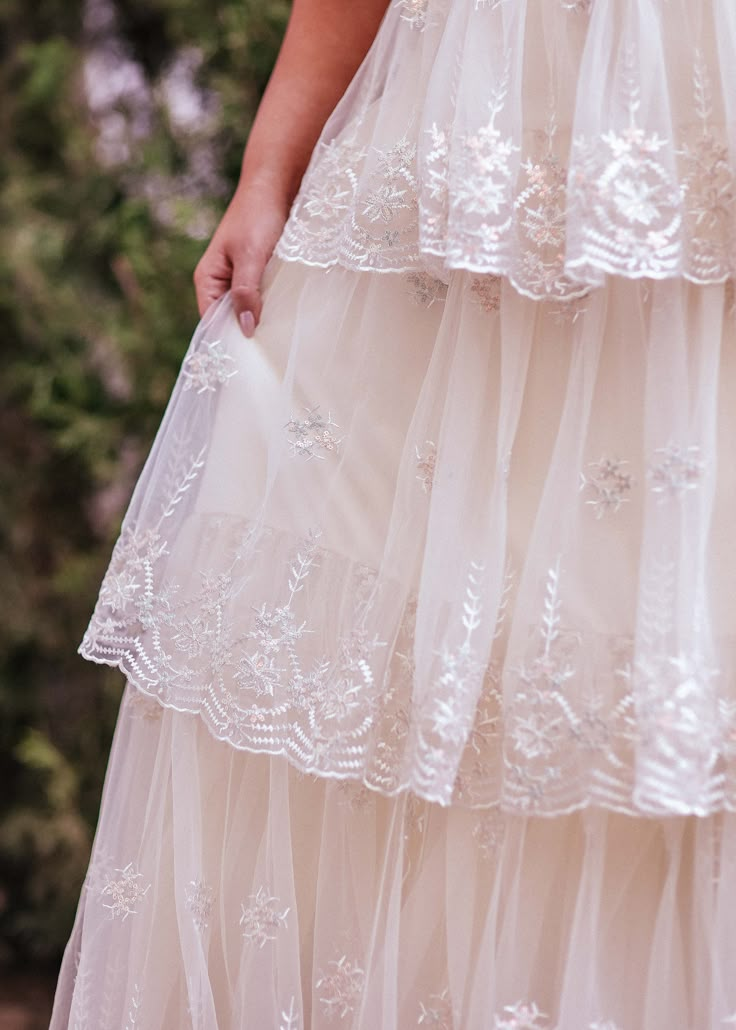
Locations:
{"points": [[425, 597]]}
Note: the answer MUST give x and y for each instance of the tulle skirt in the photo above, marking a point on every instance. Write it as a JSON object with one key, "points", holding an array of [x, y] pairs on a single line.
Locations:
{"points": [[424, 601], [425, 595], [443, 538], [228, 890]]}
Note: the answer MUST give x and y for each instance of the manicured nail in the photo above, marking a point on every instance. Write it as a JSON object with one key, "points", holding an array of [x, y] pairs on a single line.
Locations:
{"points": [[247, 323]]}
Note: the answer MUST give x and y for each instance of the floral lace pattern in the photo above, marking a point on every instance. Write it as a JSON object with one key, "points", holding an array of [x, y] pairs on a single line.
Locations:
{"points": [[123, 892], [497, 693], [549, 723], [199, 901], [262, 917], [340, 986], [606, 485], [554, 210], [625, 197], [207, 368], [312, 436], [548, 731]]}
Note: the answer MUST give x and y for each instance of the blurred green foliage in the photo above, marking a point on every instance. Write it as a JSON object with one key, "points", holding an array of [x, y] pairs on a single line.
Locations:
{"points": [[122, 124]]}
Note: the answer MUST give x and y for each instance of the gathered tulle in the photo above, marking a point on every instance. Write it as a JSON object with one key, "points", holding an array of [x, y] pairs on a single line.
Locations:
{"points": [[447, 540], [425, 594], [227, 891], [550, 141]]}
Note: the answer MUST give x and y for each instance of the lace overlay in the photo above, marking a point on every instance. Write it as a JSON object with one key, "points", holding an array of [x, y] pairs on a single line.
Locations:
{"points": [[289, 851], [554, 194], [474, 667], [552, 729], [426, 560]]}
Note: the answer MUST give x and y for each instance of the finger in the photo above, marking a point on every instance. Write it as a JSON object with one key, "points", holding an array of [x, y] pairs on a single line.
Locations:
{"points": [[248, 270], [212, 278]]}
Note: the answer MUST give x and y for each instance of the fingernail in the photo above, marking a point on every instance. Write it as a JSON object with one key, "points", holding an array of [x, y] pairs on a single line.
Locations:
{"points": [[247, 323]]}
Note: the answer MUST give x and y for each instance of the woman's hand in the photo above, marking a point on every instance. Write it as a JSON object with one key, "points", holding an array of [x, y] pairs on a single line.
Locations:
{"points": [[239, 251], [325, 42]]}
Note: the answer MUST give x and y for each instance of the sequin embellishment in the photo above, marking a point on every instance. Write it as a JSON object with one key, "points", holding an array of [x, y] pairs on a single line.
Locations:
{"points": [[313, 436]]}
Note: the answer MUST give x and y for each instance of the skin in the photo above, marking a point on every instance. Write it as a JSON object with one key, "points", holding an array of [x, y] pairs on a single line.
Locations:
{"points": [[324, 44]]}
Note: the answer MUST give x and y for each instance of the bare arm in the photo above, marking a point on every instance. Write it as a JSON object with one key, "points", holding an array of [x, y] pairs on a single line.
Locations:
{"points": [[325, 42]]}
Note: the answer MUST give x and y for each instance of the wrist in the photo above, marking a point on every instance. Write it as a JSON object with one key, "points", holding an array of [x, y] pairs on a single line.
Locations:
{"points": [[277, 182], [267, 191]]}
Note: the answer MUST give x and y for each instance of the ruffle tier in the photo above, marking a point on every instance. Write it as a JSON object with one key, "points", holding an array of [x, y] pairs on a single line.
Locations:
{"points": [[553, 142], [438, 538], [228, 891]]}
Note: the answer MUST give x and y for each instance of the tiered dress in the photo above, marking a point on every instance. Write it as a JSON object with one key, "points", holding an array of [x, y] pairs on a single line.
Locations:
{"points": [[426, 596]]}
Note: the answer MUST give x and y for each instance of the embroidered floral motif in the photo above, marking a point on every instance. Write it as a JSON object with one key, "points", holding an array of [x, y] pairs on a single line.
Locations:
{"points": [[448, 710], [606, 485], [541, 210], [119, 589], [641, 203], [437, 1012], [709, 188], [485, 178], [540, 716], [473, 182], [578, 6], [626, 200], [124, 892], [262, 919], [313, 435], [424, 288], [340, 987], [460, 671], [330, 194], [677, 471], [549, 725], [207, 368], [426, 460], [486, 292], [394, 186], [199, 899]]}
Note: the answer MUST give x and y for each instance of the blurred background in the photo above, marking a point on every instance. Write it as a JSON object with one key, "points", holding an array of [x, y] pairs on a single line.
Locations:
{"points": [[122, 124]]}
